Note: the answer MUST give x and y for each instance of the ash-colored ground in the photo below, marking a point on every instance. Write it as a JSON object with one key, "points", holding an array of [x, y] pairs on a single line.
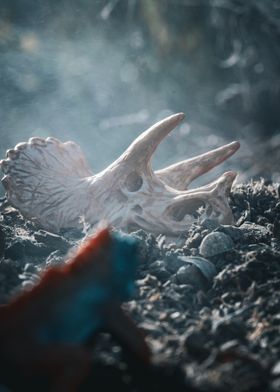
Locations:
{"points": [[205, 334]]}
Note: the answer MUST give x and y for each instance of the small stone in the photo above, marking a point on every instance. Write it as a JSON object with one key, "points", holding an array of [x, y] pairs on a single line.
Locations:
{"points": [[154, 297], [254, 233], [161, 274], [215, 243], [276, 369], [190, 274], [175, 315], [196, 343], [173, 263], [149, 327], [206, 267]]}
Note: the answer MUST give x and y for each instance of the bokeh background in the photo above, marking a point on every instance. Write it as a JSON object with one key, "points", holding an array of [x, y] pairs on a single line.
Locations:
{"points": [[100, 72]]}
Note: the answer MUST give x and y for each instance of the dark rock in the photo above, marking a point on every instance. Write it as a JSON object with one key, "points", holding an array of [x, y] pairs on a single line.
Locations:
{"points": [[161, 274], [197, 344], [190, 274], [254, 233], [215, 243], [173, 263], [206, 267]]}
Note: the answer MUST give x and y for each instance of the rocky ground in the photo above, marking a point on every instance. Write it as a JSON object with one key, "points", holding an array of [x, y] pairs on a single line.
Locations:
{"points": [[208, 304]]}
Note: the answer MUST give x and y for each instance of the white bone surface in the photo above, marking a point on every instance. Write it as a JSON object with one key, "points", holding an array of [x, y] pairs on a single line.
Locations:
{"points": [[49, 181]]}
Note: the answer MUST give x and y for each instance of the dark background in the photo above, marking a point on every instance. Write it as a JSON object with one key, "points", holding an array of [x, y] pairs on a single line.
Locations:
{"points": [[100, 72]]}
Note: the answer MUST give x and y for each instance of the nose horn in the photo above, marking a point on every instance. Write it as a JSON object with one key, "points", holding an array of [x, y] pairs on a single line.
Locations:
{"points": [[141, 150]]}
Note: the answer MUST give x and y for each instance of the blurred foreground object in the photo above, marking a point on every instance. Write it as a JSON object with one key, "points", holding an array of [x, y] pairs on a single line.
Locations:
{"points": [[48, 331], [50, 181]]}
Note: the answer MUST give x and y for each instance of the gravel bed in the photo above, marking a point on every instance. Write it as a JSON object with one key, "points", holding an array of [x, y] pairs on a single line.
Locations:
{"points": [[208, 303]]}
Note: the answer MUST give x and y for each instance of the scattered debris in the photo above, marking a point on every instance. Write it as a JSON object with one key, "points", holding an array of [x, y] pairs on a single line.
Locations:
{"points": [[212, 323]]}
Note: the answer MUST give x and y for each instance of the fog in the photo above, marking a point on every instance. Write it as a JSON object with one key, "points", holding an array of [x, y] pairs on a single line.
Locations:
{"points": [[101, 72]]}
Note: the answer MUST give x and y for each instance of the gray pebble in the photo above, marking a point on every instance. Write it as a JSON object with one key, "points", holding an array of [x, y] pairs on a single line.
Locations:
{"points": [[206, 267], [190, 274], [254, 232], [161, 274], [215, 243], [173, 263]]}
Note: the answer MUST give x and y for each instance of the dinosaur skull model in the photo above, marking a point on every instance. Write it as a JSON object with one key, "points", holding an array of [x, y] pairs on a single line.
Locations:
{"points": [[50, 181]]}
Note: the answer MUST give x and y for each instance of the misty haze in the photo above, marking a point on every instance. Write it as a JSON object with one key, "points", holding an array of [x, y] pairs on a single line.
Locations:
{"points": [[181, 290], [101, 72]]}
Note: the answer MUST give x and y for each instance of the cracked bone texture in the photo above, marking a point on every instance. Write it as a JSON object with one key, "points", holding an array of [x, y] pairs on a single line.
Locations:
{"points": [[49, 181]]}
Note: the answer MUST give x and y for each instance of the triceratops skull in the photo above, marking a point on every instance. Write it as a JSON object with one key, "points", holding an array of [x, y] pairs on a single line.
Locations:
{"points": [[50, 181]]}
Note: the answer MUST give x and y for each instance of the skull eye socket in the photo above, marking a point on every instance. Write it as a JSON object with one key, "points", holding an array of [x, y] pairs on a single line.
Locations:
{"points": [[191, 207], [138, 209], [133, 182]]}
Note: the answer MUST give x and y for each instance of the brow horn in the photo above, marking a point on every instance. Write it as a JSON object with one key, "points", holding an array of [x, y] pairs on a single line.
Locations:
{"points": [[141, 150], [181, 174]]}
